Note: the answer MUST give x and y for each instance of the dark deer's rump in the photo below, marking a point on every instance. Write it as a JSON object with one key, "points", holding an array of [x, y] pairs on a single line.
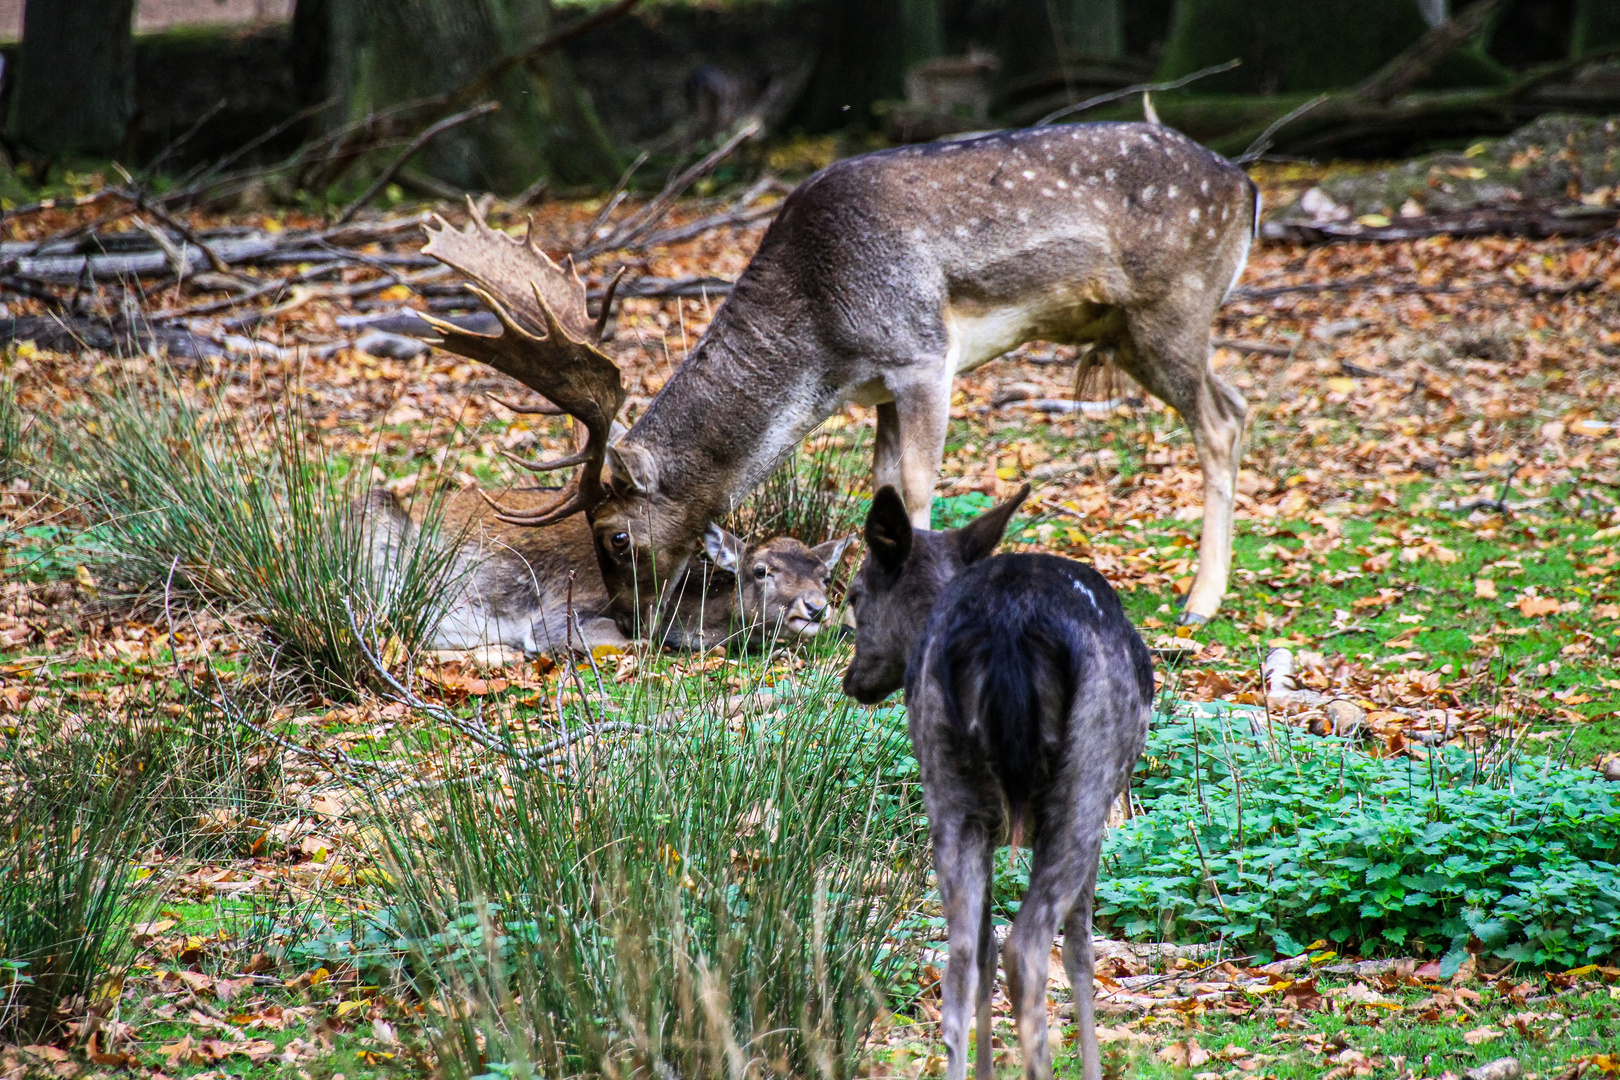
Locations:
{"points": [[1012, 644]]}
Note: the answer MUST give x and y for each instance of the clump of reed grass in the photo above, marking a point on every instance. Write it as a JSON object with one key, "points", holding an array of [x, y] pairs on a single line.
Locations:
{"points": [[708, 896], [196, 501]]}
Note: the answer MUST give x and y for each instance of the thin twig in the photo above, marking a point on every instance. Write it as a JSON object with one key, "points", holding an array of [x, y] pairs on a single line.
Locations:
{"points": [[1262, 142], [427, 136], [1139, 88]]}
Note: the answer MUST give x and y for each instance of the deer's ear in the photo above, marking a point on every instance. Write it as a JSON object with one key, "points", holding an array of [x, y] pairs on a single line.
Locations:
{"points": [[633, 469], [980, 536], [830, 552], [888, 529], [724, 549]]}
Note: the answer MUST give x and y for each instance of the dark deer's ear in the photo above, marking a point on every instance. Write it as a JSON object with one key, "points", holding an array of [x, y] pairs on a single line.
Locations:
{"points": [[979, 537], [888, 529]]}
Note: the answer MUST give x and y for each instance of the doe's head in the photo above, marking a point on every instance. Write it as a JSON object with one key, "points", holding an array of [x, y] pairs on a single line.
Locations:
{"points": [[781, 583], [904, 572]]}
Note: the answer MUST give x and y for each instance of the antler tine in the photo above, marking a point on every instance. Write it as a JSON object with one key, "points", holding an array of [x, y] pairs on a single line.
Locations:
{"points": [[578, 457], [565, 506], [546, 342], [543, 409]]}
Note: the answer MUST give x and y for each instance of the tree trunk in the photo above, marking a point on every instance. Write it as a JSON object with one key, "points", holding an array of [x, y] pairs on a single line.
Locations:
{"points": [[1597, 26], [76, 88], [866, 47], [390, 52]]}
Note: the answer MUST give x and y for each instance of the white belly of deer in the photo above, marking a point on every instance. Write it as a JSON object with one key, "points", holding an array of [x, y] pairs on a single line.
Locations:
{"points": [[977, 338]]}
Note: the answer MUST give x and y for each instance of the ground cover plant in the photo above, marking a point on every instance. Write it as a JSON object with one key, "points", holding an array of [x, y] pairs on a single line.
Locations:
{"points": [[1404, 874]]}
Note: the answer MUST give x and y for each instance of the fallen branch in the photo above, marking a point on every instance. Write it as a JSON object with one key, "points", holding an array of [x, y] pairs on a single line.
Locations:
{"points": [[427, 136], [1260, 347], [1537, 221]]}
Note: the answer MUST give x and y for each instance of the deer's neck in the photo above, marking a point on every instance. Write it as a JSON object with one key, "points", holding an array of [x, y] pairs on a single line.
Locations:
{"points": [[750, 392]]}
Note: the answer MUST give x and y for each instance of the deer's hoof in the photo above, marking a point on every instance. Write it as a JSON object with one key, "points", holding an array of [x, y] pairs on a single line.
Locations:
{"points": [[1191, 618]]}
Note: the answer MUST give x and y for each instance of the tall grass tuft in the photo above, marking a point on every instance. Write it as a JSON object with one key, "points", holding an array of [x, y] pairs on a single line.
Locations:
{"points": [[255, 516], [11, 432], [809, 497], [74, 813], [715, 898]]}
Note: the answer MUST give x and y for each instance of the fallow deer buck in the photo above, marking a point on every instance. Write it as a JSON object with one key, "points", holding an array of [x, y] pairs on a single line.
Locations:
{"points": [[883, 277], [539, 590]]}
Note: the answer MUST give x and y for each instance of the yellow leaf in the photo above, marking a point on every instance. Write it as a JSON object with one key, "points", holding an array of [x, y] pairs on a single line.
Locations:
{"points": [[346, 1007], [271, 225], [1373, 221], [395, 292], [1341, 385], [1485, 588], [1476, 150], [602, 652], [1007, 473]]}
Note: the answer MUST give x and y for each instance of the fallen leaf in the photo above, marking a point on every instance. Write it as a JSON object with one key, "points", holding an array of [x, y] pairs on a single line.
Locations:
{"points": [[1485, 588], [1532, 607], [1481, 1035], [1185, 1055]]}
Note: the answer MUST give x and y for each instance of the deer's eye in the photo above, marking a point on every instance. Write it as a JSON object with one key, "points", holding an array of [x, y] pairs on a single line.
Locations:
{"points": [[619, 543], [760, 571]]}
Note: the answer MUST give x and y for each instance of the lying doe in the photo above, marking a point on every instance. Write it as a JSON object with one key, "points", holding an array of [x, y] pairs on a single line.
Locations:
{"points": [[539, 590], [1027, 699]]}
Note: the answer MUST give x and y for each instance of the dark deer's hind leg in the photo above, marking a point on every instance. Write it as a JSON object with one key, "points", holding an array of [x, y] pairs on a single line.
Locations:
{"points": [[962, 852]]}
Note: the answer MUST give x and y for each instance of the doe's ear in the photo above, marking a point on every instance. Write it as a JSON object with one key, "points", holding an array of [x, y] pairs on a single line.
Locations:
{"points": [[979, 537], [829, 553], [888, 529], [724, 549], [632, 468]]}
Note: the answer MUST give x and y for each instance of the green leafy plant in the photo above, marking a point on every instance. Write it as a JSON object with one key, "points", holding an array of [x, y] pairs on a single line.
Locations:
{"points": [[1273, 838], [707, 895], [202, 503]]}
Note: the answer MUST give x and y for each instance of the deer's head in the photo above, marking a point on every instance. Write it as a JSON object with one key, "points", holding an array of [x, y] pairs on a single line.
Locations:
{"points": [[904, 572], [781, 583], [550, 344]]}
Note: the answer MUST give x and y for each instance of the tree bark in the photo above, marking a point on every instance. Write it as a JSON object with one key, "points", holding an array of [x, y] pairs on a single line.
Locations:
{"points": [[76, 86], [866, 47], [1597, 26], [386, 53]]}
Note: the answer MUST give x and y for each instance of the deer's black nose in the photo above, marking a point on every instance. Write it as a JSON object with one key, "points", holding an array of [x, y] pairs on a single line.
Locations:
{"points": [[814, 612]]}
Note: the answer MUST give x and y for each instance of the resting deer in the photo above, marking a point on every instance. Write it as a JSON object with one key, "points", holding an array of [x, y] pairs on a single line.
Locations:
{"points": [[883, 277], [539, 590], [1027, 699]]}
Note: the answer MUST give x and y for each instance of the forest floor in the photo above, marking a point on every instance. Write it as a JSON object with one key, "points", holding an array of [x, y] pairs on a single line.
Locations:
{"points": [[1427, 517]]}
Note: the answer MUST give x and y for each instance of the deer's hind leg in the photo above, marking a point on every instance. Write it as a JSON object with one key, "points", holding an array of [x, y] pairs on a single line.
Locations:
{"points": [[962, 853], [1168, 353]]}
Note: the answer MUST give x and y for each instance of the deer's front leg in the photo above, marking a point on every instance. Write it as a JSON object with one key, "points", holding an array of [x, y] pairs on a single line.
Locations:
{"points": [[922, 411]]}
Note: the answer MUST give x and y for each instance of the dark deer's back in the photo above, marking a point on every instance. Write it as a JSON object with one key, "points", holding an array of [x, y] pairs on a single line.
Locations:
{"points": [[1026, 661]]}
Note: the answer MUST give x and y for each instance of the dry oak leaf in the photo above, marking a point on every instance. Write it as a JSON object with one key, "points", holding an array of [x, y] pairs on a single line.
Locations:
{"points": [[1185, 1055], [1481, 1035], [1485, 588], [1535, 606]]}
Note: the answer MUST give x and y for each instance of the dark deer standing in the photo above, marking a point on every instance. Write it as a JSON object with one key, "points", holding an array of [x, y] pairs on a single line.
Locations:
{"points": [[1027, 698], [883, 277]]}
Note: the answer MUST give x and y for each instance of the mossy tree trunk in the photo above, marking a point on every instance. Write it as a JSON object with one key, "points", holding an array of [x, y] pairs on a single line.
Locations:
{"points": [[76, 86], [866, 47], [385, 53], [1040, 36], [1597, 26]]}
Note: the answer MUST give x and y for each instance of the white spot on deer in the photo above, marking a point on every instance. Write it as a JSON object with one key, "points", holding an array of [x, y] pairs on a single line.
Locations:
{"points": [[1123, 149], [1063, 185], [1023, 216], [1048, 192], [962, 232], [1148, 192], [1028, 175], [1089, 596], [1109, 174], [1192, 215], [1224, 211], [1008, 184], [934, 184], [1172, 191], [1210, 233], [1099, 204], [1204, 187]]}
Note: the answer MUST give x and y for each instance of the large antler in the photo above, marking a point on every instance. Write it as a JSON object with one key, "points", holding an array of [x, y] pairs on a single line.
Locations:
{"points": [[548, 343]]}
